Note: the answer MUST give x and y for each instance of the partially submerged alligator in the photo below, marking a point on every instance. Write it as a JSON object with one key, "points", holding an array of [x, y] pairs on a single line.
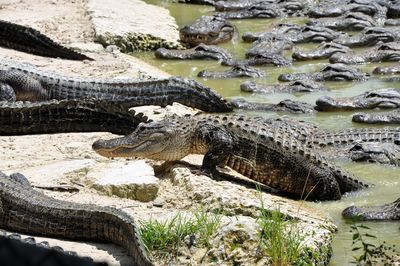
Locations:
{"points": [[270, 152], [29, 40], [386, 70], [383, 153], [324, 50], [381, 98], [304, 85], [385, 52], [390, 211], [207, 30], [392, 117], [352, 21], [201, 51], [26, 210], [20, 118], [285, 106], [238, 70], [369, 37], [28, 83], [331, 72]]}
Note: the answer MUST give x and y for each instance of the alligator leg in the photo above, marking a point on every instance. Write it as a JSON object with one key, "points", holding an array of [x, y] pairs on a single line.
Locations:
{"points": [[7, 93], [26, 88]]}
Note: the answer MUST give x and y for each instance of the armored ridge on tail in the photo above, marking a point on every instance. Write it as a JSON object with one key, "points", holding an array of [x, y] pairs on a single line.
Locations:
{"points": [[270, 152], [31, 84], [25, 210], [20, 118], [29, 40]]}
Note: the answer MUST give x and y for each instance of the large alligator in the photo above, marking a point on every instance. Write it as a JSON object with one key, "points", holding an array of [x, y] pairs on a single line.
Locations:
{"points": [[289, 7], [290, 87], [323, 51], [370, 37], [238, 70], [385, 52], [285, 106], [31, 84], [390, 211], [380, 98], [268, 151], [268, 51], [256, 10], [383, 153], [386, 70], [20, 118], [26, 210], [352, 21], [207, 30], [29, 40], [201, 51], [392, 117], [331, 72], [295, 33], [336, 8]]}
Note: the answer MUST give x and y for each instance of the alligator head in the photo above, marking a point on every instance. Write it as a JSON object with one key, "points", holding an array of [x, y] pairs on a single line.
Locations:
{"points": [[238, 70], [155, 140], [349, 21], [386, 70], [384, 153], [389, 211], [369, 37], [207, 30], [392, 117], [382, 98], [324, 50]]}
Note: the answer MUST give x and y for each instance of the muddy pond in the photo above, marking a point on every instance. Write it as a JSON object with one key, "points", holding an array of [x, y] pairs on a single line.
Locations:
{"points": [[385, 178]]}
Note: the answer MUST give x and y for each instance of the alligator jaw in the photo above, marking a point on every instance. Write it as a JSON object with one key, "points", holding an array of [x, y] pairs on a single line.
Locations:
{"points": [[327, 104]]}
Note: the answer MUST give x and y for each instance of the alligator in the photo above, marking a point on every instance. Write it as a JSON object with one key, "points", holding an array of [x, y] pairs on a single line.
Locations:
{"points": [[290, 7], [26, 210], [201, 51], [198, 2], [380, 98], [391, 117], [386, 70], [31, 41], [383, 153], [17, 250], [384, 52], [238, 70], [285, 106], [390, 211], [268, 51], [268, 151], [31, 84], [324, 50], [337, 8], [207, 30], [331, 72], [370, 37], [256, 10], [290, 87], [352, 21], [295, 33], [21, 118]]}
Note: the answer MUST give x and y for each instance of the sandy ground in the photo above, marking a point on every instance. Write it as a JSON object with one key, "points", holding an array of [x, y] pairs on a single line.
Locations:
{"points": [[71, 154]]}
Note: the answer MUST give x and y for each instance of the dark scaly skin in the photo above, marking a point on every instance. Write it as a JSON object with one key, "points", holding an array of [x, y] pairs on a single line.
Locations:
{"points": [[392, 117], [270, 152], [289, 7], [370, 37], [285, 106], [331, 72], [290, 87], [32, 84], [324, 51], [352, 21], [207, 30], [385, 52], [390, 211], [201, 51], [26, 210], [20, 118], [386, 70], [254, 11], [381, 98], [31, 41], [236, 71]]}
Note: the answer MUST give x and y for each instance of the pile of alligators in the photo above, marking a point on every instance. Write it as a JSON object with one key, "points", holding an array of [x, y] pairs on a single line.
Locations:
{"points": [[290, 158]]}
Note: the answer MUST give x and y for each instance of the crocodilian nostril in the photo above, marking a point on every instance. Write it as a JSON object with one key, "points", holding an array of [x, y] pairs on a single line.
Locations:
{"points": [[98, 144]]}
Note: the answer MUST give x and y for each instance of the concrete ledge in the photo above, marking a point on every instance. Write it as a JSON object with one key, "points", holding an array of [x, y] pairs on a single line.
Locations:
{"points": [[133, 25], [132, 180]]}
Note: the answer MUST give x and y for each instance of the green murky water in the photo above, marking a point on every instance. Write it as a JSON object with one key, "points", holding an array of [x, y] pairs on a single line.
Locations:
{"points": [[385, 178]]}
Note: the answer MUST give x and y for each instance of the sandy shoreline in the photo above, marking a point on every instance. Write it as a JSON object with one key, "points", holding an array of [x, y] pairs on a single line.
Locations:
{"points": [[67, 22]]}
